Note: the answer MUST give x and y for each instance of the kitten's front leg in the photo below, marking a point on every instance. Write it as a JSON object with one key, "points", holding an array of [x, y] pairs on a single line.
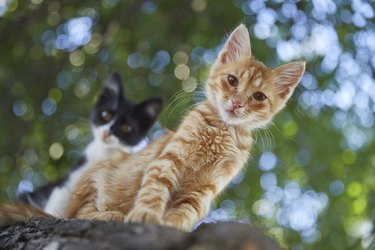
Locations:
{"points": [[193, 202], [190, 207], [158, 182]]}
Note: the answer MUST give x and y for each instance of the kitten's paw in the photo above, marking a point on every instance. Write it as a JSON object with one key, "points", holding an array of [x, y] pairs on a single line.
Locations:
{"points": [[177, 221], [143, 215], [108, 216]]}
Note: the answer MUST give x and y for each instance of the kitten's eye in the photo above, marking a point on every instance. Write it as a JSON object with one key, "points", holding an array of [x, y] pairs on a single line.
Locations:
{"points": [[232, 80], [126, 128], [106, 116], [259, 96]]}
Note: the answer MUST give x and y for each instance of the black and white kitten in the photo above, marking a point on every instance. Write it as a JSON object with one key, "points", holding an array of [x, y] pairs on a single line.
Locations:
{"points": [[118, 124]]}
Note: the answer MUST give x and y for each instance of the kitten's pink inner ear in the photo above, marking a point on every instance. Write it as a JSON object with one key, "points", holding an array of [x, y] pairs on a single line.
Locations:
{"points": [[237, 46], [288, 76]]}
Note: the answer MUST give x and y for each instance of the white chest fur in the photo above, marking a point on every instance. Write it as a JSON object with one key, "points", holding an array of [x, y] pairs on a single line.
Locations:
{"points": [[59, 198]]}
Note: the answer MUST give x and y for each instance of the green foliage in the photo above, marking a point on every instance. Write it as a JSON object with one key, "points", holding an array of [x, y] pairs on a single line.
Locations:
{"points": [[311, 179]]}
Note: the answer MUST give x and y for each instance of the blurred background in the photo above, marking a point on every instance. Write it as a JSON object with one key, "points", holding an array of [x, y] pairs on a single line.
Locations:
{"points": [[310, 182]]}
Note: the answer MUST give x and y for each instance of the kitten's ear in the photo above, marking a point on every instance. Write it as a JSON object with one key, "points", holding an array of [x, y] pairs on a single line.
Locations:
{"points": [[288, 76], [114, 83], [151, 107], [237, 46], [111, 92]]}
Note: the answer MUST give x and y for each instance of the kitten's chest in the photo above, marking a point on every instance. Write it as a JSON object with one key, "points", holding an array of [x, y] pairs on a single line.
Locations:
{"points": [[213, 144]]}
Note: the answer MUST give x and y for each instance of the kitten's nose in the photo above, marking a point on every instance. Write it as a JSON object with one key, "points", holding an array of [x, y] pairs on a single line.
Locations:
{"points": [[237, 104]]}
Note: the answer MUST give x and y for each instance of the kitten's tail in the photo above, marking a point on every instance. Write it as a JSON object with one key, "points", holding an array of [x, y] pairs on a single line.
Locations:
{"points": [[15, 212]]}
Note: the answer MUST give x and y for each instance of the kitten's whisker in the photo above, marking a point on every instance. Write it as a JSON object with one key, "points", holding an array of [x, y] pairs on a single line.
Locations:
{"points": [[181, 103], [194, 105], [188, 109], [270, 138], [263, 139], [179, 92], [176, 97], [273, 138], [282, 133], [256, 136]]}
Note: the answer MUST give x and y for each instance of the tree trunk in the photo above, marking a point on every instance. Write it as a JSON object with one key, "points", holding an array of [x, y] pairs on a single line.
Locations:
{"points": [[51, 234]]}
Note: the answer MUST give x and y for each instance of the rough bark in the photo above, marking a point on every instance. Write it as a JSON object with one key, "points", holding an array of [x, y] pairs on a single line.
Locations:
{"points": [[51, 234]]}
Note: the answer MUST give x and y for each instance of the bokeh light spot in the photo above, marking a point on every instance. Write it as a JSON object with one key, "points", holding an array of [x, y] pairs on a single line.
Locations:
{"points": [[19, 108], [349, 157], [359, 205], [109, 3], [303, 157], [77, 58], [149, 7], [135, 60], [189, 84], [336, 188], [56, 151], [267, 161], [182, 72], [268, 180], [25, 186], [55, 94], [49, 106], [64, 79], [354, 189], [82, 88], [264, 208], [180, 57], [198, 5], [161, 59], [290, 128], [74, 33]]}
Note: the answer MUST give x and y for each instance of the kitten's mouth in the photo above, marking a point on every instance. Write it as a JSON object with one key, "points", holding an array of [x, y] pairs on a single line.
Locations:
{"points": [[232, 112], [229, 114]]}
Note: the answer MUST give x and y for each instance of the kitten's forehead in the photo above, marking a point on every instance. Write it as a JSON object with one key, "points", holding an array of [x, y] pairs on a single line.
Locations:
{"points": [[246, 74], [252, 74]]}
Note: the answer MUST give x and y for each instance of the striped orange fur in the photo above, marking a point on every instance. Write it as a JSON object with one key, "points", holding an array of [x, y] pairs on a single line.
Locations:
{"points": [[174, 180]]}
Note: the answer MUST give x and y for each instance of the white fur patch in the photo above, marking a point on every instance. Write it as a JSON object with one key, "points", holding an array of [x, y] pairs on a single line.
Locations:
{"points": [[60, 196], [257, 82], [136, 148], [246, 75]]}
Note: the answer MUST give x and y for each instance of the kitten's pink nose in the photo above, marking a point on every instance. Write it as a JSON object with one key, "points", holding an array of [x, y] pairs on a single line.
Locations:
{"points": [[237, 104]]}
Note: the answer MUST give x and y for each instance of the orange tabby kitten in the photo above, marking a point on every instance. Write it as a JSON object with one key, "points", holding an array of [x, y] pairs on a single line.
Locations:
{"points": [[174, 180]]}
